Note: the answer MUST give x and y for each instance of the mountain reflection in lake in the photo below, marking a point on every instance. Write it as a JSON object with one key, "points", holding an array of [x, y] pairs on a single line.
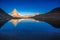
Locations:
{"points": [[29, 30], [16, 21]]}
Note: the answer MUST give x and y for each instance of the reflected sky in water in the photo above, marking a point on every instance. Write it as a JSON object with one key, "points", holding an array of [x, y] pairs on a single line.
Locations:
{"points": [[29, 30]]}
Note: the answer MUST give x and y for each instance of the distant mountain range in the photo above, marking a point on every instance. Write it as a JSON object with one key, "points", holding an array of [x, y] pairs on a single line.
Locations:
{"points": [[52, 17]]}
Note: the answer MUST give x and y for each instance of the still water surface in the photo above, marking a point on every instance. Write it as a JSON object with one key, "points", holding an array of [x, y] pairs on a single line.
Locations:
{"points": [[29, 30]]}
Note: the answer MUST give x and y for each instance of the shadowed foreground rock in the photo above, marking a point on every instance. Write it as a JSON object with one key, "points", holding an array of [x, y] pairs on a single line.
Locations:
{"points": [[4, 17]]}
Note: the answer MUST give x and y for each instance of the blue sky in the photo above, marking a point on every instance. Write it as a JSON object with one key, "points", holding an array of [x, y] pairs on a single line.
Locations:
{"points": [[29, 6]]}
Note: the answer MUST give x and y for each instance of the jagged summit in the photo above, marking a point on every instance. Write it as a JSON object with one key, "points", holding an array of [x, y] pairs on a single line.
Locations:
{"points": [[14, 13]]}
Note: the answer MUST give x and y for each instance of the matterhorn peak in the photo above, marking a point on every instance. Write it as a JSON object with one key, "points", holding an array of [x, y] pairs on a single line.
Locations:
{"points": [[15, 13]]}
